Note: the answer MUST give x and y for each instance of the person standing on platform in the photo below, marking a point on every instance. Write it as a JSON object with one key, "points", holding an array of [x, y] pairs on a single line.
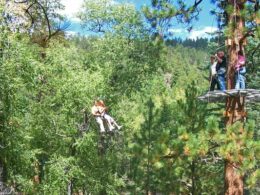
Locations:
{"points": [[221, 68], [213, 74], [240, 71]]}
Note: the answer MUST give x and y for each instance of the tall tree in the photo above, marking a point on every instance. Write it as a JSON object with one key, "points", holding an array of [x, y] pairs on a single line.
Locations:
{"points": [[234, 16], [39, 18], [162, 13]]}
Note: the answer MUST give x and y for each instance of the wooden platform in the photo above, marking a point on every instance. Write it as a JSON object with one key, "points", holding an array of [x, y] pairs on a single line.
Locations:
{"points": [[251, 95]]}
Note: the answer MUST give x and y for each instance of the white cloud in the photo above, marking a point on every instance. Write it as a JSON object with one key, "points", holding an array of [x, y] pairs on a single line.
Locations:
{"points": [[202, 33], [71, 8], [176, 30], [114, 2], [70, 33]]}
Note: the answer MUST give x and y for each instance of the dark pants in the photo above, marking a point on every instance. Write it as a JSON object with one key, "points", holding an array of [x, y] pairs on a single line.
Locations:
{"points": [[214, 82]]}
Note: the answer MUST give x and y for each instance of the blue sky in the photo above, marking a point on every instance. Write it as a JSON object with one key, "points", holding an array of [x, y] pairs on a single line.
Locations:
{"points": [[206, 22]]}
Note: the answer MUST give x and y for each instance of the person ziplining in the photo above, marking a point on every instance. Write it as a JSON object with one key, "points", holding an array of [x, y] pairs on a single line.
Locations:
{"points": [[99, 111]]}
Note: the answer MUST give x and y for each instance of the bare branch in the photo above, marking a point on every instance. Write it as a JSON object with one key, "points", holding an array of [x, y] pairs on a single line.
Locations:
{"points": [[30, 15], [248, 33], [58, 30], [254, 52], [46, 18], [191, 8], [256, 2], [197, 3], [44, 11]]}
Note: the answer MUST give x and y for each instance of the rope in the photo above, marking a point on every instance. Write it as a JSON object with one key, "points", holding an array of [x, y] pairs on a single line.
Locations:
{"points": [[212, 24], [218, 43], [211, 78]]}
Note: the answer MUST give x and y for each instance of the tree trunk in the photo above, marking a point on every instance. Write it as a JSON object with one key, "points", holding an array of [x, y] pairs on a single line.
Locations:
{"points": [[4, 190], [193, 178], [233, 180], [70, 188], [1, 173], [235, 105], [234, 184]]}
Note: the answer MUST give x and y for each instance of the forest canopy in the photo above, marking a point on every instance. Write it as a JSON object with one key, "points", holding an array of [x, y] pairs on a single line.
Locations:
{"points": [[169, 143]]}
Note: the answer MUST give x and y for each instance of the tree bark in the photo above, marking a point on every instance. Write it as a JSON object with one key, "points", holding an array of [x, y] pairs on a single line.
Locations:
{"points": [[1, 172], [235, 108], [193, 178], [234, 184]]}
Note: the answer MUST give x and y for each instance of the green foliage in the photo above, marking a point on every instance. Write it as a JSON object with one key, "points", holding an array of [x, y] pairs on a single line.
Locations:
{"points": [[161, 14], [111, 16], [170, 142], [253, 109], [170, 145]]}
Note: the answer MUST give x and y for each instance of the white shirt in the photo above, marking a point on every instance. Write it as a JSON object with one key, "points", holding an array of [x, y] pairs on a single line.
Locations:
{"points": [[213, 68]]}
